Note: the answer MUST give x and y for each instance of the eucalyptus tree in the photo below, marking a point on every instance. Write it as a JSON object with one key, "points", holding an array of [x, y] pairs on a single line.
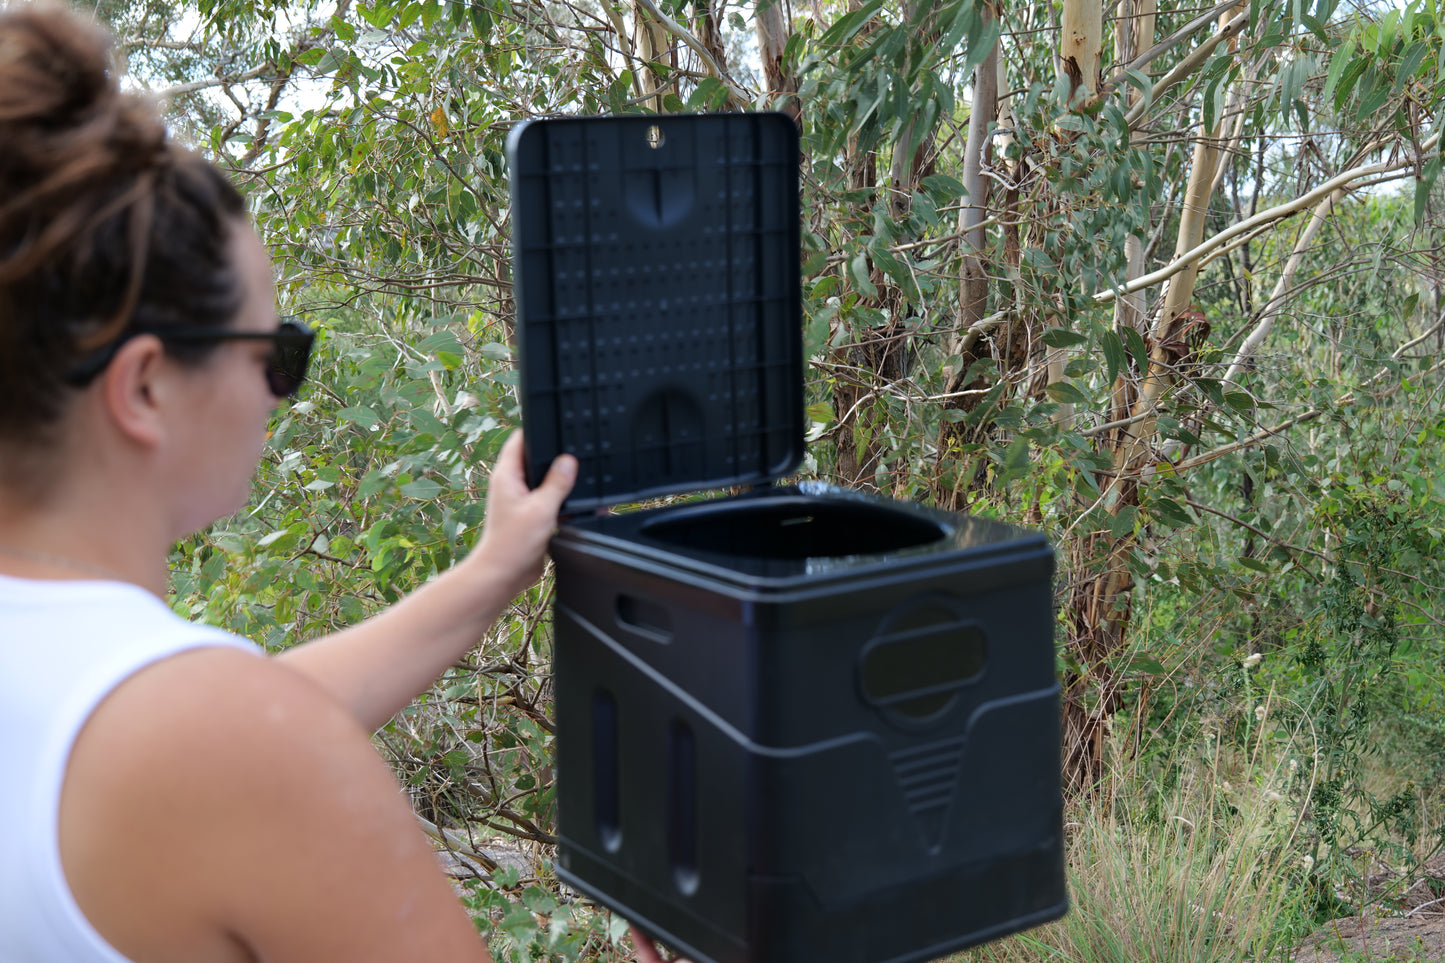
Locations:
{"points": [[1083, 264]]}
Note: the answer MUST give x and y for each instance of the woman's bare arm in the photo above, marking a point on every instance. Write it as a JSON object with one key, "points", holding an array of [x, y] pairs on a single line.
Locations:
{"points": [[221, 807], [377, 667]]}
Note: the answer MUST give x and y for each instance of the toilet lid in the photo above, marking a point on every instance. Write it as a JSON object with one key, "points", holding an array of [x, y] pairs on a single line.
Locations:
{"points": [[658, 298]]}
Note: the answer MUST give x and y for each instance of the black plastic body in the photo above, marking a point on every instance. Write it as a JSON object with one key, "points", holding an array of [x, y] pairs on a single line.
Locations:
{"points": [[806, 725], [656, 277]]}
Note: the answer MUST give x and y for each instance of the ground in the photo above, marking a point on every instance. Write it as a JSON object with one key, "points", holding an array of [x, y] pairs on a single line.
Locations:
{"points": [[1405, 925], [1399, 939]]}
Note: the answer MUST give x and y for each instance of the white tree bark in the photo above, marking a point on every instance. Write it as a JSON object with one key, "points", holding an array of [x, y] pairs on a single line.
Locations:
{"points": [[1080, 43], [1280, 295]]}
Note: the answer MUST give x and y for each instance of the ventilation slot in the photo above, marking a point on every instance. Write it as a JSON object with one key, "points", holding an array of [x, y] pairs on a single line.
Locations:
{"points": [[605, 783], [682, 806]]}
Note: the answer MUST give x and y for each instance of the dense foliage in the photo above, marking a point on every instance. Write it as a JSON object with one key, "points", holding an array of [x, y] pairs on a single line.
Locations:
{"points": [[1164, 282]]}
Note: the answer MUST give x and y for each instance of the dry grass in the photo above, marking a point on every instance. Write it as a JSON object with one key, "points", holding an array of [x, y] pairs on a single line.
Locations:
{"points": [[1207, 872]]}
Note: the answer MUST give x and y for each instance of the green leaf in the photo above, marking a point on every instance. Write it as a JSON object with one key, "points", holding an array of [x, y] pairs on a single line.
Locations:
{"points": [[945, 187], [848, 25], [1423, 185], [1171, 513], [1352, 71], [1410, 63], [519, 924], [710, 93], [1138, 349], [1239, 400], [330, 60], [1114, 355], [423, 488], [1374, 92], [362, 417], [1144, 665], [440, 341], [1254, 564], [1121, 524], [371, 483], [1065, 393], [538, 900], [1140, 81], [1063, 338], [981, 42], [892, 266], [964, 20], [858, 268], [1316, 27]]}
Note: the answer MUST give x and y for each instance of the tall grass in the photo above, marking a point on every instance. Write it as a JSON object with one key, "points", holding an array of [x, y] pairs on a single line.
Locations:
{"points": [[1211, 868]]}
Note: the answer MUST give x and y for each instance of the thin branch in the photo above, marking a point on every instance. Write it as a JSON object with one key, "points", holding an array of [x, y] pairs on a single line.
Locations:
{"points": [[1275, 213], [1262, 534], [1250, 442], [1348, 398], [736, 95], [977, 330], [1277, 298], [1111, 425], [1192, 62], [1190, 28], [195, 85]]}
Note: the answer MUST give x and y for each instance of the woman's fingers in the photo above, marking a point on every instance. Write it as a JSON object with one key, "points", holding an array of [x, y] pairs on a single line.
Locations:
{"points": [[560, 477], [646, 951], [510, 470]]}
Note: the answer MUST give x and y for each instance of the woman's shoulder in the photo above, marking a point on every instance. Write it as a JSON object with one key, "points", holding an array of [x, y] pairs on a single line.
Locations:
{"points": [[221, 806], [102, 627]]}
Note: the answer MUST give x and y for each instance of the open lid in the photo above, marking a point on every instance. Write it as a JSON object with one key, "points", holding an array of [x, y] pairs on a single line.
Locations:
{"points": [[658, 296]]}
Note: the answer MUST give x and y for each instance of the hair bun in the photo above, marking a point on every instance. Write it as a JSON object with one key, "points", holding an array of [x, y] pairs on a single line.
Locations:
{"points": [[104, 222], [54, 67], [61, 109]]}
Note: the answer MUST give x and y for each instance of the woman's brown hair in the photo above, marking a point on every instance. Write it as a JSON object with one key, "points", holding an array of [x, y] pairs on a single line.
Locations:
{"points": [[105, 223]]}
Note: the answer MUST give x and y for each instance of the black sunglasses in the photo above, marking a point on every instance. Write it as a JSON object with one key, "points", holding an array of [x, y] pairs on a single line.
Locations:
{"points": [[285, 370]]}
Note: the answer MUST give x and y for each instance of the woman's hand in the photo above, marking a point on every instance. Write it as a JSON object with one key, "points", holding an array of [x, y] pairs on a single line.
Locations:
{"points": [[646, 951], [377, 667], [520, 520]]}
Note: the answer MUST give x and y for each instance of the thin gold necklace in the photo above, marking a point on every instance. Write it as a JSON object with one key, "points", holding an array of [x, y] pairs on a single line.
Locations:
{"points": [[60, 561]]}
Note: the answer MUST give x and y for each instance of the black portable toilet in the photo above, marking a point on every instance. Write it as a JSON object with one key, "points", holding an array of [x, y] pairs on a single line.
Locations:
{"points": [[801, 725]]}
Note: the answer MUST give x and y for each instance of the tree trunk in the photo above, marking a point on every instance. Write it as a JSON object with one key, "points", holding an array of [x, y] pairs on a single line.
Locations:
{"points": [[1080, 44], [855, 465], [973, 278], [973, 282], [1100, 602], [773, 34], [652, 47], [708, 28]]}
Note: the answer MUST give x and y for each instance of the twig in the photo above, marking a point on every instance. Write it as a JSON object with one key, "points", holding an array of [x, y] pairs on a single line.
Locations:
{"points": [[736, 95], [1188, 65], [1198, 23], [1262, 534], [1417, 909], [1120, 423]]}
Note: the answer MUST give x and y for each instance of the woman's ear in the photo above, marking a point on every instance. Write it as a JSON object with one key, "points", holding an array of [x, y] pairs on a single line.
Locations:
{"points": [[133, 388]]}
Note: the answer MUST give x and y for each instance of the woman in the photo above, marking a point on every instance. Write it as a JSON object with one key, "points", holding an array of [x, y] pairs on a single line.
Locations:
{"points": [[168, 794]]}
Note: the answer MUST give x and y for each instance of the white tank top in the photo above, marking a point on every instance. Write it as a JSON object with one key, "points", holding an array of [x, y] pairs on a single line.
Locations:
{"points": [[63, 647]]}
